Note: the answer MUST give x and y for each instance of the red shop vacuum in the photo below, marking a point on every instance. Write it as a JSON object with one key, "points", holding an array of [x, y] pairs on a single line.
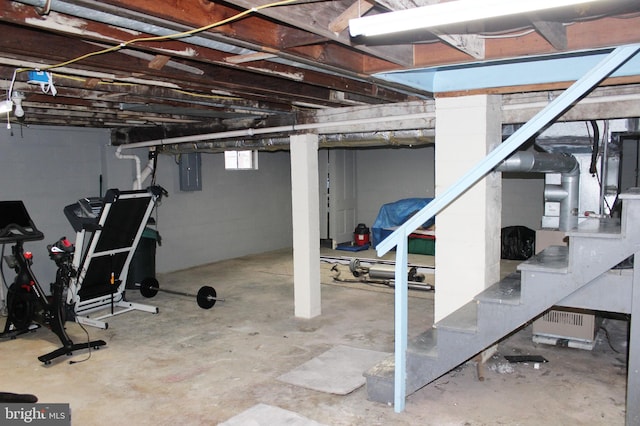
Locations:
{"points": [[361, 235]]}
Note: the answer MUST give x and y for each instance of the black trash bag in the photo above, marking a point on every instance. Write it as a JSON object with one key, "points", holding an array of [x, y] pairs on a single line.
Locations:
{"points": [[518, 242]]}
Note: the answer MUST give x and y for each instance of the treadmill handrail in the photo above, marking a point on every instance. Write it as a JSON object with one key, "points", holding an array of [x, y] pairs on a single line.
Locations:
{"points": [[79, 223]]}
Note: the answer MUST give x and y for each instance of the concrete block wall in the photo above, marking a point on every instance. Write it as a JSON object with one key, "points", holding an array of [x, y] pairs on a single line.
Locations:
{"points": [[236, 213], [386, 175], [48, 168]]}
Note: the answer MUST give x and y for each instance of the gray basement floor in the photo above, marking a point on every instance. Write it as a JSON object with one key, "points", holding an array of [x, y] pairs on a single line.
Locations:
{"points": [[191, 366]]}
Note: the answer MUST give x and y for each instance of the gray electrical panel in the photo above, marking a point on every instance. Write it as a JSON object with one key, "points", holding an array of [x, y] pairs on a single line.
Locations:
{"points": [[190, 172]]}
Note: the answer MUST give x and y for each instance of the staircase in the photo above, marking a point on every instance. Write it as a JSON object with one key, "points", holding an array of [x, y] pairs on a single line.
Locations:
{"points": [[577, 276]]}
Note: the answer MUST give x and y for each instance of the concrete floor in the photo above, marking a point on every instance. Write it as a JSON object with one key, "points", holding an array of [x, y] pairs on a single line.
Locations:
{"points": [[191, 366]]}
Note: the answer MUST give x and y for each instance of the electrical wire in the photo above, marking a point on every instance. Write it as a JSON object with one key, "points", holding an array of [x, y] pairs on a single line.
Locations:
{"points": [[146, 39], [510, 35], [606, 333], [162, 38], [141, 40], [88, 357]]}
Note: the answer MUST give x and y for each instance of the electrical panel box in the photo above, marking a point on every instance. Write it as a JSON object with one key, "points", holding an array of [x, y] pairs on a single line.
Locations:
{"points": [[190, 172]]}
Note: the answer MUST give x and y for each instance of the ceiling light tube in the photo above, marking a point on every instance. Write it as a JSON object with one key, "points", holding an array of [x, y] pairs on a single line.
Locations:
{"points": [[452, 12]]}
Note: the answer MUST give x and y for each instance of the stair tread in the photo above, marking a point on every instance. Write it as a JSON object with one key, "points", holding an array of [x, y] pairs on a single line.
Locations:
{"points": [[383, 369], [551, 259], [597, 228], [505, 291], [630, 194], [425, 344], [465, 319]]}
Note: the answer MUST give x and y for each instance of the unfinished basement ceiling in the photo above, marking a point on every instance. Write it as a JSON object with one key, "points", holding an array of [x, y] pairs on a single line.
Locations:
{"points": [[276, 65]]}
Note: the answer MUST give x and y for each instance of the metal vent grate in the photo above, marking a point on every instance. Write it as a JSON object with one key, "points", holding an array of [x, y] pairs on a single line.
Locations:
{"points": [[566, 318], [566, 327]]}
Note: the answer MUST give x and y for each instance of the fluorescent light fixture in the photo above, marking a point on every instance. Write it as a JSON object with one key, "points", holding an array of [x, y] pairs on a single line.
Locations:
{"points": [[451, 12], [6, 106]]}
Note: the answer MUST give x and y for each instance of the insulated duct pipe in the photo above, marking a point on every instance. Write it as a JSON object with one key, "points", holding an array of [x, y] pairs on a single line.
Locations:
{"points": [[567, 193]]}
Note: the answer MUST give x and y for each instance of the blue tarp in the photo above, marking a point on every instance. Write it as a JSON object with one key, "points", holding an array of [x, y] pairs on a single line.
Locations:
{"points": [[395, 214]]}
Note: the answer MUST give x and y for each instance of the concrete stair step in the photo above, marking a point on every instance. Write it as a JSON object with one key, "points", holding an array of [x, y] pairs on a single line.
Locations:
{"points": [[553, 259], [463, 320], [505, 291], [597, 228], [425, 344]]}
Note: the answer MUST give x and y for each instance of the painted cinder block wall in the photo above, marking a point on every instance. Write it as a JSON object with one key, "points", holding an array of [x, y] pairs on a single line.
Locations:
{"points": [[236, 213]]}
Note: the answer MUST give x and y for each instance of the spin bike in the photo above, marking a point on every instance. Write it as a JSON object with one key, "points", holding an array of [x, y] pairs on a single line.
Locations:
{"points": [[27, 304]]}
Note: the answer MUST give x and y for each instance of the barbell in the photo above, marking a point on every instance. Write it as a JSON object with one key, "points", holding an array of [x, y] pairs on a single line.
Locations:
{"points": [[205, 298]]}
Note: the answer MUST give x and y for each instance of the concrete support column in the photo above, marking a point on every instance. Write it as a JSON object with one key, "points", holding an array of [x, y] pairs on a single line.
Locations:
{"points": [[633, 357], [306, 225], [468, 230]]}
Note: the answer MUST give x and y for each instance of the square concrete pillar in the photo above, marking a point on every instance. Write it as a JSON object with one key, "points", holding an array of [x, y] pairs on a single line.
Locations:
{"points": [[306, 225], [468, 230]]}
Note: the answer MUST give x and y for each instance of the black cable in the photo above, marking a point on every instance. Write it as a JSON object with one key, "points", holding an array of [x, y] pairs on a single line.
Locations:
{"points": [[595, 149], [155, 167], [5, 294], [88, 345], [606, 333], [4, 280]]}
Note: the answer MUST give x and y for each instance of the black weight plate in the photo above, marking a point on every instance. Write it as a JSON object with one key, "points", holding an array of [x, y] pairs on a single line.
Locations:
{"points": [[206, 297], [149, 287]]}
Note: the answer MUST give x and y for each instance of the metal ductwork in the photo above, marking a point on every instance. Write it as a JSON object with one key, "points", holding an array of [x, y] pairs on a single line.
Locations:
{"points": [[567, 193]]}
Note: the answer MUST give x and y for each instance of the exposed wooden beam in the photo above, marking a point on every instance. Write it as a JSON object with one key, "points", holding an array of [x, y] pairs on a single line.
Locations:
{"points": [[357, 9], [252, 32], [554, 32], [158, 62], [405, 4], [316, 18], [288, 83], [471, 44], [601, 33], [250, 57]]}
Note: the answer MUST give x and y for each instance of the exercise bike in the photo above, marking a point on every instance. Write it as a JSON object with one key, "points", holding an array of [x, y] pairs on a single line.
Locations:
{"points": [[27, 304]]}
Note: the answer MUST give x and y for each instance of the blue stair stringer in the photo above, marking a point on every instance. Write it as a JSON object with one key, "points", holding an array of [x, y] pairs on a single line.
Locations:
{"points": [[569, 276]]}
